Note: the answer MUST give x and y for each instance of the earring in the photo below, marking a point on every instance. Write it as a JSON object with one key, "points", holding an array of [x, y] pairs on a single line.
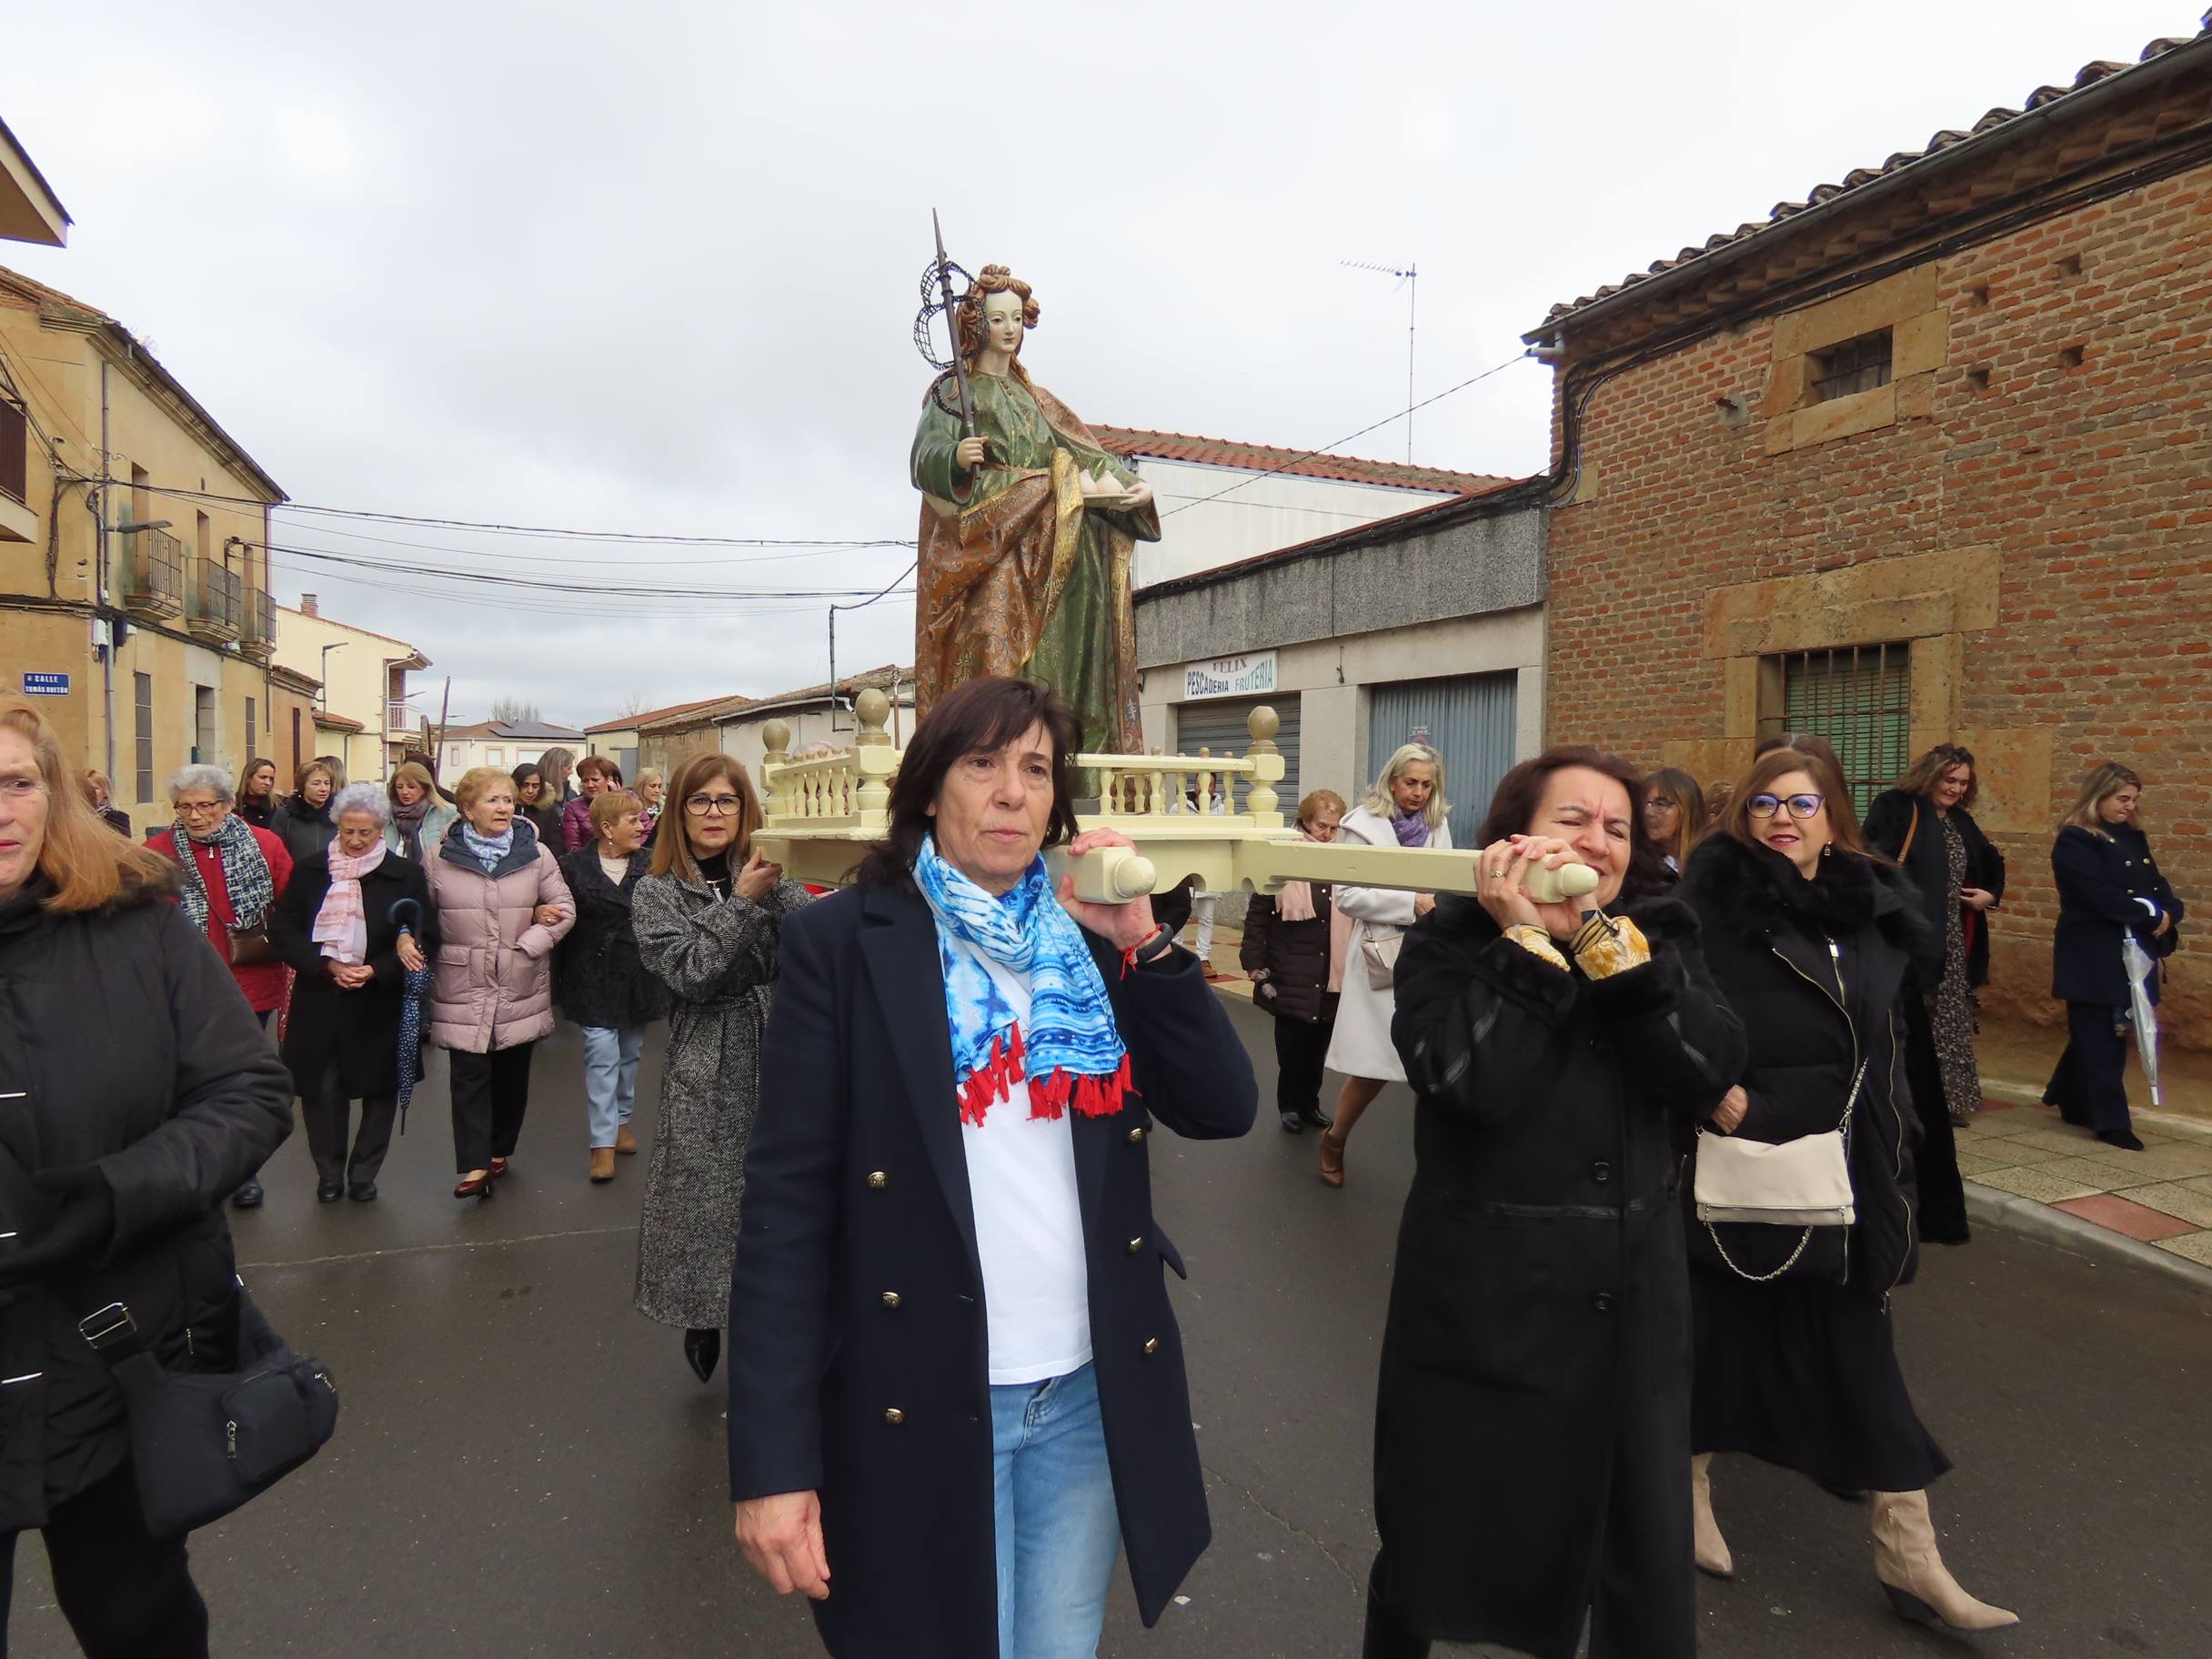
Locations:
{"points": [[1828, 851]]}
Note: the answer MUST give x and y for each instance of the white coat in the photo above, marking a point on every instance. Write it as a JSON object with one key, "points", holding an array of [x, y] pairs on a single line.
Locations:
{"points": [[1361, 1045]]}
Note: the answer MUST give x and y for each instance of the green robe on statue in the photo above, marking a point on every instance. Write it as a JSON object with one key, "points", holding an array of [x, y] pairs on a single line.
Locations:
{"points": [[1017, 576]]}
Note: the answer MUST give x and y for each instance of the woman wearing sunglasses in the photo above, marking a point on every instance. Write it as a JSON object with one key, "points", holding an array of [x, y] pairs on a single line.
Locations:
{"points": [[1811, 938], [706, 921]]}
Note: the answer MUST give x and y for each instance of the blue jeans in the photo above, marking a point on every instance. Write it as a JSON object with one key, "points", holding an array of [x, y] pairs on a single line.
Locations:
{"points": [[610, 1078], [1058, 1530]]}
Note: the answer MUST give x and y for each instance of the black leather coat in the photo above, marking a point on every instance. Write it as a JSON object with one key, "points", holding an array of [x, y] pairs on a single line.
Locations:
{"points": [[125, 1042]]}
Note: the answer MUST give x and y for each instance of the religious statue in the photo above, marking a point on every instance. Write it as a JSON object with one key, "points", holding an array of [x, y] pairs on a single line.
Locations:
{"points": [[1027, 526]]}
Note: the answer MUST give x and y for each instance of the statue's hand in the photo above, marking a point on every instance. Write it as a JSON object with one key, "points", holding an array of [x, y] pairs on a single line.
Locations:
{"points": [[972, 453], [1139, 498]]}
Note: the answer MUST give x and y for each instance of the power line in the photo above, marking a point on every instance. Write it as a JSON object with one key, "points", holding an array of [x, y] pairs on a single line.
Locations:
{"points": [[601, 589], [826, 550]]}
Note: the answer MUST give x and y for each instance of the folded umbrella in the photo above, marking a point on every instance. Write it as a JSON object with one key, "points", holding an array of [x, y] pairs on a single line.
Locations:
{"points": [[2142, 970], [414, 994]]}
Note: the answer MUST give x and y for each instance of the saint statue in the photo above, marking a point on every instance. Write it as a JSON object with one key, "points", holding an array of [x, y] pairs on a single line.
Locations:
{"points": [[1026, 531]]}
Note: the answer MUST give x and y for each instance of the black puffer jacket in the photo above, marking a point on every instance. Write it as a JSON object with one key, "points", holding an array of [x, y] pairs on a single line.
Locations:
{"points": [[1814, 969], [1294, 955], [598, 976], [305, 831], [125, 1042]]}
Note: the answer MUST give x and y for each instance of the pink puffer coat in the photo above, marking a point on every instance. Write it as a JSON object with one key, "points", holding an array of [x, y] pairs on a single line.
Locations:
{"points": [[492, 984]]}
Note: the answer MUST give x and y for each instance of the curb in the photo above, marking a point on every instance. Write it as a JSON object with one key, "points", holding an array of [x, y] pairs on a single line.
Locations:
{"points": [[2039, 1221]]}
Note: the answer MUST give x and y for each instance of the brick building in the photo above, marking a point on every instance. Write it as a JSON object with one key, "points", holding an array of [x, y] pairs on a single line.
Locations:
{"points": [[1924, 456]]}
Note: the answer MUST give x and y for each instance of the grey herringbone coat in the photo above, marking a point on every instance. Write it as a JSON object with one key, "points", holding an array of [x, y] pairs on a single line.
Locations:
{"points": [[717, 959]]}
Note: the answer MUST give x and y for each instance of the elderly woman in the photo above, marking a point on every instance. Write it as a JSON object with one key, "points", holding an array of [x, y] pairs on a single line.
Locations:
{"points": [[600, 980], [501, 906], [707, 920], [257, 793], [598, 776], [100, 794], [1405, 809], [1531, 1432], [1291, 949], [534, 801], [415, 820], [1812, 938], [302, 819], [959, 1386], [233, 875], [2110, 890], [335, 928], [138, 1092]]}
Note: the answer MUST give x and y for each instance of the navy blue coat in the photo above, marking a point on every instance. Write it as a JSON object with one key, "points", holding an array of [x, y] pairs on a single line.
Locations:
{"points": [[856, 1290], [2100, 878]]}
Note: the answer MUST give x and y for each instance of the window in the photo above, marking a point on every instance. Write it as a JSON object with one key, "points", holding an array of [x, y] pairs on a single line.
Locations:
{"points": [[495, 757], [203, 744], [252, 747], [1859, 698], [1855, 365], [15, 454], [142, 697]]}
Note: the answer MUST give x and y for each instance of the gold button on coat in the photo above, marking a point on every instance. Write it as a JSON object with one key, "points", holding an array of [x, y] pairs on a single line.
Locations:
{"points": [[894, 1416], [1135, 1245], [890, 1299], [879, 1180], [1151, 1346], [1136, 1135]]}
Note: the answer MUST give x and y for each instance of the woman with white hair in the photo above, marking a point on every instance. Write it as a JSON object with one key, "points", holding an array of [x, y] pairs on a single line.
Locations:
{"points": [[335, 927], [1405, 809], [233, 876]]}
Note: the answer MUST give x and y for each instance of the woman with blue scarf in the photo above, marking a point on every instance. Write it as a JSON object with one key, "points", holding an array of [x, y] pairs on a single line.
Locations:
{"points": [[956, 1386]]}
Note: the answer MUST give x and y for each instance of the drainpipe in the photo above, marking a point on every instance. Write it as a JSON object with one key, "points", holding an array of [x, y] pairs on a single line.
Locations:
{"points": [[106, 605]]}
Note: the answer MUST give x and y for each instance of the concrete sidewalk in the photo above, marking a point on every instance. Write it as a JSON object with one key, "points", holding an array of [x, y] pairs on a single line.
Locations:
{"points": [[2027, 1171]]}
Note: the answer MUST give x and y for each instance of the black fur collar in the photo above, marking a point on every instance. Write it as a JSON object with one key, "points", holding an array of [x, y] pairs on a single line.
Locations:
{"points": [[1660, 916], [1754, 892]]}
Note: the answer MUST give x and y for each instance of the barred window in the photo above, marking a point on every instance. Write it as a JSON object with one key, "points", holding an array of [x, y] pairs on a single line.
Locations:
{"points": [[1855, 365], [1859, 698]]}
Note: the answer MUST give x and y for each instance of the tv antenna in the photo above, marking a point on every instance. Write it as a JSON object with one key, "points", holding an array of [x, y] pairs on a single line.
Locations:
{"points": [[1409, 279]]}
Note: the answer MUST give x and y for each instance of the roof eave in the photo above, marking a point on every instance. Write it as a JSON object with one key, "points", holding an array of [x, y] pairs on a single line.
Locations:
{"points": [[41, 209], [1974, 146]]}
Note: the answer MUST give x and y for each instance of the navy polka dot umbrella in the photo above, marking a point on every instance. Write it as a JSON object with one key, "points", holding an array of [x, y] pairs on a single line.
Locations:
{"points": [[414, 996]]}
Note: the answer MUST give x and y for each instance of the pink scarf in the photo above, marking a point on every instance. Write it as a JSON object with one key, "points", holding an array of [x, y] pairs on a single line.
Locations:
{"points": [[340, 921], [1295, 901]]}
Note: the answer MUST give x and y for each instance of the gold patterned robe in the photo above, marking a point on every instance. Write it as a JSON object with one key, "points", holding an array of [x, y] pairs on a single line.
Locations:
{"points": [[1017, 576]]}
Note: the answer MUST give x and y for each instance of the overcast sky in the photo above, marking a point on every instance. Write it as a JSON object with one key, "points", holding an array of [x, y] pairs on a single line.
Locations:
{"points": [[653, 267]]}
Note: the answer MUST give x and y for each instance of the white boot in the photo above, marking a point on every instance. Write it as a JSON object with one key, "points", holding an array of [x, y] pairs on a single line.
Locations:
{"points": [[1919, 1585], [1708, 1548]]}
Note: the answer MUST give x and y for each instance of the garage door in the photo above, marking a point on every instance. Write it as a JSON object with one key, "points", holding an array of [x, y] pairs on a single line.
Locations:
{"points": [[1219, 728], [1468, 719]]}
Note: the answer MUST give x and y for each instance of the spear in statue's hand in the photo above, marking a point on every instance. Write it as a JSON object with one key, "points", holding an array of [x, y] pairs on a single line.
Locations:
{"points": [[952, 323]]}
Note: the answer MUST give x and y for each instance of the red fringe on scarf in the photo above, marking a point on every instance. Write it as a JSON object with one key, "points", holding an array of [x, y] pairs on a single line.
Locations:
{"points": [[1089, 1096]]}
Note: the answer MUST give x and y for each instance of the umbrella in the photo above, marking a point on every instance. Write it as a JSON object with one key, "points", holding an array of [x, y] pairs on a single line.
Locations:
{"points": [[2141, 972], [415, 990]]}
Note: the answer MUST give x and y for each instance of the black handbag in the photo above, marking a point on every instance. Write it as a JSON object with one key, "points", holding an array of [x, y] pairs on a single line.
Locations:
{"points": [[204, 1442]]}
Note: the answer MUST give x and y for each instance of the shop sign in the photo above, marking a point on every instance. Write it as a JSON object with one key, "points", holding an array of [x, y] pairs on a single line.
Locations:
{"points": [[1229, 677]]}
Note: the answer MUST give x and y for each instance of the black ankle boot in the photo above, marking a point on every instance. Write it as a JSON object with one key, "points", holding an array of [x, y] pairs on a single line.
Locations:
{"points": [[1387, 1638], [702, 1349]]}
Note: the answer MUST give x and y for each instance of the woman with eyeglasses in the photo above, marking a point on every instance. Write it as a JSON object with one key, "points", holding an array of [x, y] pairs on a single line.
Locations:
{"points": [[706, 921], [1293, 949], [1674, 814], [1812, 939]]}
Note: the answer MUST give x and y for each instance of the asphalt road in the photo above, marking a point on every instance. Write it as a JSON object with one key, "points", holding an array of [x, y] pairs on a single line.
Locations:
{"points": [[525, 1466]]}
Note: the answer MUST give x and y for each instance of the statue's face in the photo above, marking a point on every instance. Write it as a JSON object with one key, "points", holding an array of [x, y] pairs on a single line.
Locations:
{"points": [[1002, 321]]}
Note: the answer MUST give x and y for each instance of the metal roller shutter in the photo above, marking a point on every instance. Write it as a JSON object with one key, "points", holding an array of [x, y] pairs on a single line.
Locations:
{"points": [[1469, 720], [1219, 727]]}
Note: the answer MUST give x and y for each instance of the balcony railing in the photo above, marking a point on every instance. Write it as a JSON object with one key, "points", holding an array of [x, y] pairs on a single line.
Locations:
{"points": [[260, 639], [218, 602], [398, 718], [153, 573]]}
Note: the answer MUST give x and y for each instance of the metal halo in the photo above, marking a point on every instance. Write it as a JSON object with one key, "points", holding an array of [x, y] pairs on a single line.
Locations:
{"points": [[933, 308]]}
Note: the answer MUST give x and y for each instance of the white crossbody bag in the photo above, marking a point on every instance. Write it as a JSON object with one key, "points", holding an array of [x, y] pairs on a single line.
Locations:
{"points": [[1804, 1182]]}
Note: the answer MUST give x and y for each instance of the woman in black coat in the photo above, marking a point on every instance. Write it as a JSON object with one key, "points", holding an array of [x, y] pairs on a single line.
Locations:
{"points": [[2110, 889], [138, 1091], [882, 1404], [341, 1039], [1957, 878], [302, 820], [1531, 1435], [1811, 941], [1293, 969], [599, 980]]}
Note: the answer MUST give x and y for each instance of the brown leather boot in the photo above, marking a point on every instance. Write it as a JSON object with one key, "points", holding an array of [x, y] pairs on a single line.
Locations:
{"points": [[625, 1142], [1708, 1548], [1918, 1584], [602, 1164]]}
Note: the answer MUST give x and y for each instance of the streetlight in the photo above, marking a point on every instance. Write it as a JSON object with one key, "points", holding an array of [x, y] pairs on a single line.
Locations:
{"points": [[326, 650]]}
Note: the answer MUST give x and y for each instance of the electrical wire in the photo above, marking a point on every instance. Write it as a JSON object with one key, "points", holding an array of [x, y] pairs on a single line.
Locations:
{"points": [[543, 584]]}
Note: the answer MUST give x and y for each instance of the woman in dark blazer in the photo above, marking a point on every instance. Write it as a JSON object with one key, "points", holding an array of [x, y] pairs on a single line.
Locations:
{"points": [[1958, 877], [1532, 1433], [2109, 889], [894, 1419], [1811, 941], [1293, 949], [341, 1039]]}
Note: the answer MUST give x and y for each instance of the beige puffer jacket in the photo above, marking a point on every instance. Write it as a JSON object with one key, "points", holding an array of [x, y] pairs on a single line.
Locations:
{"points": [[492, 984]]}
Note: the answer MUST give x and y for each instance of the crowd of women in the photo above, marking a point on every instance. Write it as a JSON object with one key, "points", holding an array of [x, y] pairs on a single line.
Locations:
{"points": [[956, 1380]]}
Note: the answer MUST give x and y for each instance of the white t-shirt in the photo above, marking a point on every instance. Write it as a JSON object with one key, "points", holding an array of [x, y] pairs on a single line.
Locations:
{"points": [[1029, 1226]]}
